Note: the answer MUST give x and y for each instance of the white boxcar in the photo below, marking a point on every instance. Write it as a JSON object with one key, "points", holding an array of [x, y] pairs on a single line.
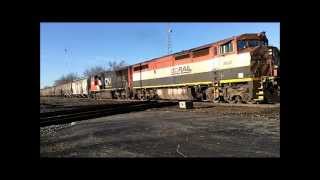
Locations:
{"points": [[67, 89], [80, 88], [63, 90], [57, 90]]}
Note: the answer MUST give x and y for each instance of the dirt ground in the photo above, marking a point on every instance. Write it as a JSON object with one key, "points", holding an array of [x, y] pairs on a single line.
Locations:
{"points": [[208, 130]]}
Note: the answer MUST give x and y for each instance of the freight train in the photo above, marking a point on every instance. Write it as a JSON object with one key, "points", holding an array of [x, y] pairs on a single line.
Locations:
{"points": [[240, 69]]}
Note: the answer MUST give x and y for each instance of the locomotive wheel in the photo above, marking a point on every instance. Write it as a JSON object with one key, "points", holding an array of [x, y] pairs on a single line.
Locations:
{"points": [[238, 100], [215, 100], [250, 102], [245, 98]]}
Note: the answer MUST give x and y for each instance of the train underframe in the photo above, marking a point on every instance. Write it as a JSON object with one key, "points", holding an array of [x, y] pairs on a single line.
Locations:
{"points": [[262, 90], [120, 93]]}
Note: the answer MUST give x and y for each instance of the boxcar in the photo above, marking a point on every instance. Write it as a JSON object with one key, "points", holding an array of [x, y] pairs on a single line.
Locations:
{"points": [[80, 88]]}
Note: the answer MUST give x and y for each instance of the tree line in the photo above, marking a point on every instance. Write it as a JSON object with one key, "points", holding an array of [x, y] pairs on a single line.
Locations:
{"points": [[111, 67]]}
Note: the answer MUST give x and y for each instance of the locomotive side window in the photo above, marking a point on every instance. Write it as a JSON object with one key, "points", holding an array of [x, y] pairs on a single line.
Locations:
{"points": [[225, 48], [253, 43], [201, 52], [183, 56], [138, 68], [241, 44], [265, 42], [144, 67]]}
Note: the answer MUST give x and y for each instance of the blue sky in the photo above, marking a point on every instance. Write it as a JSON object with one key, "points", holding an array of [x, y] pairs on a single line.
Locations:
{"points": [[91, 44]]}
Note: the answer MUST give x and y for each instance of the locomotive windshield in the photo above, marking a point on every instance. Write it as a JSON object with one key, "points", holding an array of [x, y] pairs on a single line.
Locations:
{"points": [[251, 43]]}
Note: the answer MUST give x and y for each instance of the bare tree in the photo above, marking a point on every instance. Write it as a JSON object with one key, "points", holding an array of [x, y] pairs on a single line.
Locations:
{"points": [[66, 78], [93, 71], [114, 65]]}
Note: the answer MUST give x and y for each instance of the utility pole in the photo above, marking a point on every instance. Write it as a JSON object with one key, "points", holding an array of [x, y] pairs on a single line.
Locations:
{"points": [[169, 31], [66, 52]]}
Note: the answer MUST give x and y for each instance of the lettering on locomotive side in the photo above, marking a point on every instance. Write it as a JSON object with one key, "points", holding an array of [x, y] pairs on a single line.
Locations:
{"points": [[108, 81], [181, 70], [227, 62]]}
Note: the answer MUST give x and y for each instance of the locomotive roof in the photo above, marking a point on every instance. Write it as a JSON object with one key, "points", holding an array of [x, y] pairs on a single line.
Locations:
{"points": [[118, 69], [241, 36]]}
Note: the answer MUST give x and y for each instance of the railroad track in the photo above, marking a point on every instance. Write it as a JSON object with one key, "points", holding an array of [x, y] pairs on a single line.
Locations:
{"points": [[95, 111], [199, 102], [240, 105], [78, 113], [77, 109]]}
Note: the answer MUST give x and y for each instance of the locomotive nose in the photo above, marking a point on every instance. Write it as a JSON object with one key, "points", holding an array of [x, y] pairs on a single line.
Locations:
{"points": [[273, 52]]}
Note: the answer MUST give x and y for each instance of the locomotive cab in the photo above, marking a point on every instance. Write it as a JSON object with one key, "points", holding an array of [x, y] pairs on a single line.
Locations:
{"points": [[265, 67], [249, 41], [259, 80], [265, 59]]}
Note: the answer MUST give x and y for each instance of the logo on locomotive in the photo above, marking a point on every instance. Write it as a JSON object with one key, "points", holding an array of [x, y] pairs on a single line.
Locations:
{"points": [[181, 70], [107, 81]]}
